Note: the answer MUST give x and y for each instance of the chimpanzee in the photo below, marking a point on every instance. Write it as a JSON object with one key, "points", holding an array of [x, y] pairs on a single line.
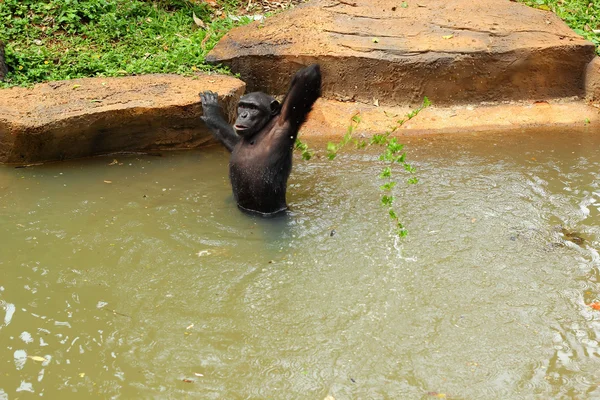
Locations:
{"points": [[262, 140]]}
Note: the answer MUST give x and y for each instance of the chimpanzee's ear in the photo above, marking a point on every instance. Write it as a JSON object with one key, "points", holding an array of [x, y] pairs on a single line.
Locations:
{"points": [[275, 107]]}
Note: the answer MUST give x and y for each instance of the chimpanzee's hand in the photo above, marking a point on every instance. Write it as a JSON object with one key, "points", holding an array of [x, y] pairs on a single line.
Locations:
{"points": [[310, 75], [210, 104]]}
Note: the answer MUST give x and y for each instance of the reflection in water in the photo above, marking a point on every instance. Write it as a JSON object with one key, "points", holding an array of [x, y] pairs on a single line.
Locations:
{"points": [[141, 279]]}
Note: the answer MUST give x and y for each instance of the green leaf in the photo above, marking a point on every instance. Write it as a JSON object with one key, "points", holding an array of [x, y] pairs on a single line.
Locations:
{"points": [[394, 147], [401, 158], [387, 200], [388, 186], [300, 145], [378, 139], [331, 150], [386, 173]]}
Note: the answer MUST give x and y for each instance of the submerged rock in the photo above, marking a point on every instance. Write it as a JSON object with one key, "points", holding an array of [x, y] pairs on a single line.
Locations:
{"points": [[85, 117], [573, 236], [396, 53]]}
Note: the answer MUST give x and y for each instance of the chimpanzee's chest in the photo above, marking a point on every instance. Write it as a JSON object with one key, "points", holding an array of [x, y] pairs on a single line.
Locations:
{"points": [[259, 172]]}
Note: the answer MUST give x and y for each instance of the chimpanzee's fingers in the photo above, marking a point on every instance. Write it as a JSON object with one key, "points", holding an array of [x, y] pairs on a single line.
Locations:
{"points": [[209, 97], [202, 97]]}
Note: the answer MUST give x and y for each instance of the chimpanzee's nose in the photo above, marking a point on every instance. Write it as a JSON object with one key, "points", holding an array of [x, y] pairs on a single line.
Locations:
{"points": [[244, 115]]}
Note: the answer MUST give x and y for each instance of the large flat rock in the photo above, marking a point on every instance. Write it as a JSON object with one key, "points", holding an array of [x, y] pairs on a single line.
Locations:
{"points": [[460, 51], [85, 117]]}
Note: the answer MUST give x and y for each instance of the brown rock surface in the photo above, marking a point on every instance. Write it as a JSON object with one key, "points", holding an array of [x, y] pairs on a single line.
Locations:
{"points": [[329, 119], [460, 51], [592, 80], [84, 117]]}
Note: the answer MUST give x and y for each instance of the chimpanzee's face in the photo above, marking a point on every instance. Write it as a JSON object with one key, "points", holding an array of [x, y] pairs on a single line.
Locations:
{"points": [[255, 110]]}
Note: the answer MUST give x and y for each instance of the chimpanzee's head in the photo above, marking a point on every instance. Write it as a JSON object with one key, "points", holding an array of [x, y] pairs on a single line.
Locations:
{"points": [[254, 111]]}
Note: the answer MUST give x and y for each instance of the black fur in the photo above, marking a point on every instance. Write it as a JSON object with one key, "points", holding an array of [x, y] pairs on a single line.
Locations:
{"points": [[262, 140]]}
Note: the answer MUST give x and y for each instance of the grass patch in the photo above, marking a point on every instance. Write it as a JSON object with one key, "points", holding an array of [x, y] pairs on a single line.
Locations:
{"points": [[583, 16], [64, 39]]}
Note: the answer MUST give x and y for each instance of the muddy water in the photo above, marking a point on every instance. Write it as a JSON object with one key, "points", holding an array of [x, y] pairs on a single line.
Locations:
{"points": [[142, 280]]}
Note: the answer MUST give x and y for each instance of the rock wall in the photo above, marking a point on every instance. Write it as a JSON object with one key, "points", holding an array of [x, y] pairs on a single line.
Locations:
{"points": [[592, 80], [454, 52]]}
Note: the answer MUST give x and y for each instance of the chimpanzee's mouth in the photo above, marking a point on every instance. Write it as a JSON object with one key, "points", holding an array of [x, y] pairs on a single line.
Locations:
{"points": [[240, 127]]}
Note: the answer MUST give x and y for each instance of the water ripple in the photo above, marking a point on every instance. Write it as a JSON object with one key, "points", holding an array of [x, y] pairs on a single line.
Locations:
{"points": [[131, 291]]}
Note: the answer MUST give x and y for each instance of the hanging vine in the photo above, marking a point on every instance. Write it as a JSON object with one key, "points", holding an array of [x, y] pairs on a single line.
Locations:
{"points": [[393, 154]]}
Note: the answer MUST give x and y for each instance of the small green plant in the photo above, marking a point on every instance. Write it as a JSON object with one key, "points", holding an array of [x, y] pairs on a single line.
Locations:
{"points": [[307, 153], [333, 148], [392, 156]]}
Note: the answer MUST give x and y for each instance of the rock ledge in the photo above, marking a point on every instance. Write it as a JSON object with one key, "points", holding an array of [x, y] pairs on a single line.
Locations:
{"points": [[92, 116]]}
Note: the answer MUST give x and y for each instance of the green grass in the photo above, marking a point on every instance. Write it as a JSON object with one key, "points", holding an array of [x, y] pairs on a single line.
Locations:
{"points": [[64, 39], [583, 16]]}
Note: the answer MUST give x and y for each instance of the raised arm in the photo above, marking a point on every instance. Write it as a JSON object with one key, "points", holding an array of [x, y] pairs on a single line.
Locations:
{"points": [[305, 89], [213, 118]]}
